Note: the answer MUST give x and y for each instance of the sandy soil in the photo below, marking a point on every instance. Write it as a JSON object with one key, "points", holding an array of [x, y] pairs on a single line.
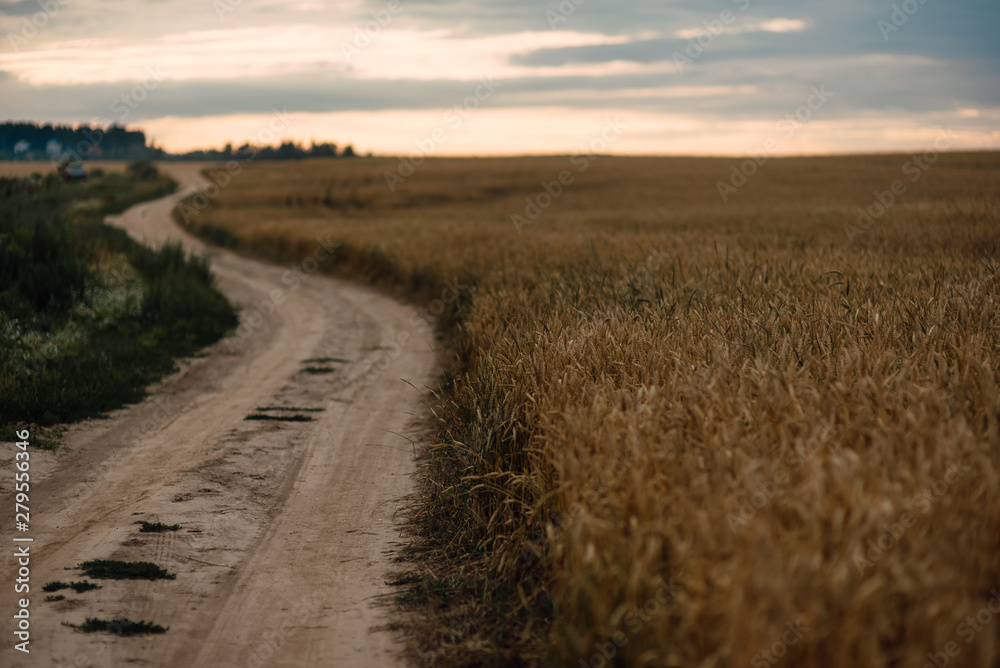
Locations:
{"points": [[288, 528]]}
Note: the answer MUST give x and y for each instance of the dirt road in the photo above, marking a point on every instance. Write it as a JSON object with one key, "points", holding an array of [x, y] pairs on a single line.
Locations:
{"points": [[287, 527]]}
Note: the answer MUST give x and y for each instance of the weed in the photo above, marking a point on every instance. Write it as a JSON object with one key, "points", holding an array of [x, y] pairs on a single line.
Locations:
{"points": [[280, 418], [79, 587], [156, 527], [119, 627], [104, 569]]}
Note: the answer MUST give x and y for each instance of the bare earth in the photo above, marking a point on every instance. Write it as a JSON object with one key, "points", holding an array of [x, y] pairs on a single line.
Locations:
{"points": [[288, 528]]}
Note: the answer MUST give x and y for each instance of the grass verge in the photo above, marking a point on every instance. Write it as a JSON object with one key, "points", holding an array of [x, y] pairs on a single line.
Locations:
{"points": [[89, 317]]}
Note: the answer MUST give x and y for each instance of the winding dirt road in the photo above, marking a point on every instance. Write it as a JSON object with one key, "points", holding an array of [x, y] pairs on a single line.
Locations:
{"points": [[287, 527]]}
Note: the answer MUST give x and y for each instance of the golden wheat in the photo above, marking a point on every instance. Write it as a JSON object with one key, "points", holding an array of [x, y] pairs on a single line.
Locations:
{"points": [[682, 431]]}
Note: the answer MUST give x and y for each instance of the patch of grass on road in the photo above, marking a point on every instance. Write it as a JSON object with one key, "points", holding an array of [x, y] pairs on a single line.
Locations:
{"points": [[279, 418], [119, 627], [79, 587], [158, 527], [108, 569]]}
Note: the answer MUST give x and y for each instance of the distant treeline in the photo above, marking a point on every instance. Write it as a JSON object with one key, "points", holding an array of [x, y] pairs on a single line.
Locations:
{"points": [[32, 141], [284, 151]]}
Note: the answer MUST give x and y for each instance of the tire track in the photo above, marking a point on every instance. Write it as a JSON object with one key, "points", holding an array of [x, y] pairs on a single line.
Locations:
{"points": [[286, 527]]}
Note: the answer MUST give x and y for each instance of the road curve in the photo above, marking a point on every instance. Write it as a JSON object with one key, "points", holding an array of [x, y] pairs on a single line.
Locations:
{"points": [[287, 528]]}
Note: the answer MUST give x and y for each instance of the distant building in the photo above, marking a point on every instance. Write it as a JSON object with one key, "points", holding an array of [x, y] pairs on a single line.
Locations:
{"points": [[54, 148]]}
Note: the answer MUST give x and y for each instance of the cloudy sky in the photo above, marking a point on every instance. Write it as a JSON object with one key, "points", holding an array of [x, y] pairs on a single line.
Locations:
{"points": [[514, 76]]}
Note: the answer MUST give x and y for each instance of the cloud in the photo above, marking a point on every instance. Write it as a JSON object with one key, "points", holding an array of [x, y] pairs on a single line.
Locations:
{"points": [[771, 25], [19, 8], [862, 84], [598, 58]]}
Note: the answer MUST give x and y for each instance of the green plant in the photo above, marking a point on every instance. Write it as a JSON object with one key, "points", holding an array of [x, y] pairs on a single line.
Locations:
{"points": [[105, 569], [280, 418], [119, 627], [79, 587], [157, 527]]}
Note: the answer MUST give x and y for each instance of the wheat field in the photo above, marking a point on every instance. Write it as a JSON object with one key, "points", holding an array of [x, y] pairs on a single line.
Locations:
{"points": [[678, 430]]}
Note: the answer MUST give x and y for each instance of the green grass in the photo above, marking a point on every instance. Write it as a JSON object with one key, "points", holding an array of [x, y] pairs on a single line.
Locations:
{"points": [[119, 627], [218, 236], [59, 597], [88, 316], [8, 434], [106, 569], [79, 587], [157, 527]]}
